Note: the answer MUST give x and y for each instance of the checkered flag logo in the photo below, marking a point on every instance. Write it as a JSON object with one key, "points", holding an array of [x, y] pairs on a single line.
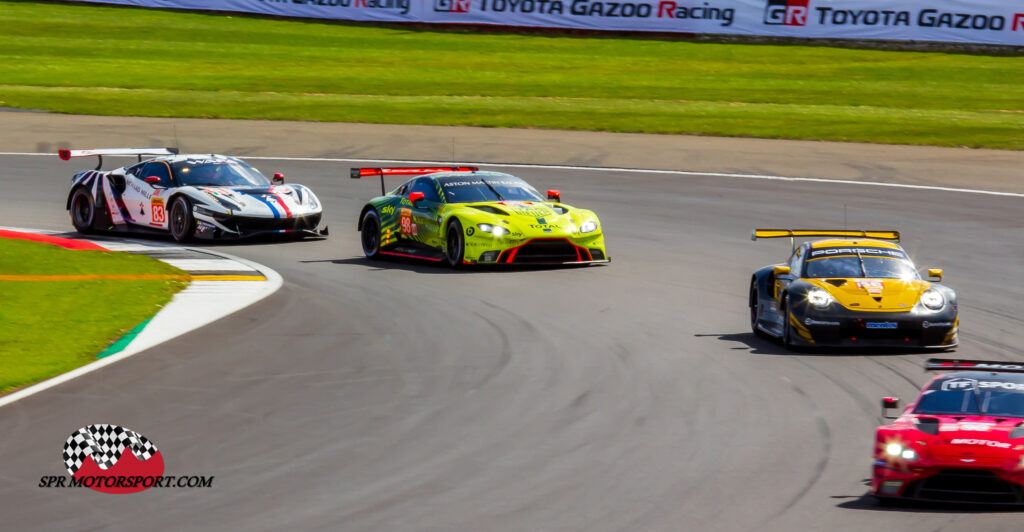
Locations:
{"points": [[106, 444]]}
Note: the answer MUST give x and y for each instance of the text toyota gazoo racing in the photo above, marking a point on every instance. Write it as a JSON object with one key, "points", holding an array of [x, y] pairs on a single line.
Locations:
{"points": [[962, 440], [204, 196], [858, 289], [464, 216]]}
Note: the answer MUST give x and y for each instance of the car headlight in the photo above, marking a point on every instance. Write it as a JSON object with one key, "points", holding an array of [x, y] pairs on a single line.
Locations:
{"points": [[897, 450], [588, 227], [495, 230], [933, 299], [819, 298]]}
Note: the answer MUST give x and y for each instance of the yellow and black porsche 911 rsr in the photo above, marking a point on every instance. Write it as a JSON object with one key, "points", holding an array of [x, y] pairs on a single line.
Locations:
{"points": [[858, 288]]}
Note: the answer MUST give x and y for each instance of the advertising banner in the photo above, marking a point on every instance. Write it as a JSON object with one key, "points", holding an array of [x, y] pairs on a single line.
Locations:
{"points": [[967, 21]]}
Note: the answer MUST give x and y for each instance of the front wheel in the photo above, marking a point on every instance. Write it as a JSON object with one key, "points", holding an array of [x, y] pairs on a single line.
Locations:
{"points": [[83, 211], [370, 235], [456, 247], [183, 224], [754, 311], [787, 329]]}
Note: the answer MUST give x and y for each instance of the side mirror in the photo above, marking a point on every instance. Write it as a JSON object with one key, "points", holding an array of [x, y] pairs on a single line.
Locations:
{"points": [[935, 273], [152, 180], [554, 195], [890, 403], [415, 196], [278, 178], [781, 270]]}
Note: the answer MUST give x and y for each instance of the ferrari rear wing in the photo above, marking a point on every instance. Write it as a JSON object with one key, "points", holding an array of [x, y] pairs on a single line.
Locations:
{"points": [[66, 155], [356, 173], [947, 364]]}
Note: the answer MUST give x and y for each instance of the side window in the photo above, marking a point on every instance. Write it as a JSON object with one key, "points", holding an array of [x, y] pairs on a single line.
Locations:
{"points": [[158, 169], [426, 186], [401, 191], [794, 261], [136, 170]]}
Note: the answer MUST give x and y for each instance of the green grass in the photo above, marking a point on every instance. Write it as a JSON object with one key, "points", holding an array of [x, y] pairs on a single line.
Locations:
{"points": [[50, 327], [122, 61]]}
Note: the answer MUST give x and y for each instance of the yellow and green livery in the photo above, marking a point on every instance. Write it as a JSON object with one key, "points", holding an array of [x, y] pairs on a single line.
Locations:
{"points": [[463, 216]]}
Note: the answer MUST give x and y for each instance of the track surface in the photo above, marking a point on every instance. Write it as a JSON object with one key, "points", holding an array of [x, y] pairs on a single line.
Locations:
{"points": [[400, 396]]}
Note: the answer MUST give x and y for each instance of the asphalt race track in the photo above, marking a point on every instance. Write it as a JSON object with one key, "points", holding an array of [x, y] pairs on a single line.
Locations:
{"points": [[399, 396]]}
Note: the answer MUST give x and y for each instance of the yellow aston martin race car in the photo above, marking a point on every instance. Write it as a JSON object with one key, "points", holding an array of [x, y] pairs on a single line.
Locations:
{"points": [[858, 288]]}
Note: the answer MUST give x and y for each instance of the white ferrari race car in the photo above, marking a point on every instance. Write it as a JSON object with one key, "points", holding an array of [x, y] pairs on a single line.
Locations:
{"points": [[189, 196]]}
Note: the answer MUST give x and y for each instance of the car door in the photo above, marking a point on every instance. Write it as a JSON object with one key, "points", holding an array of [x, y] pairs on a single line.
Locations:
{"points": [[419, 221], [146, 201]]}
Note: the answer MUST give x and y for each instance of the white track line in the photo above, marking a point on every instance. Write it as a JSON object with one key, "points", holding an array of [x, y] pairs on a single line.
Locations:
{"points": [[199, 304], [630, 170]]}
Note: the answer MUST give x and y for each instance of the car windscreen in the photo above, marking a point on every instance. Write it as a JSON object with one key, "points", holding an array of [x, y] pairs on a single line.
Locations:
{"points": [[983, 396], [217, 172], [468, 189], [879, 263]]}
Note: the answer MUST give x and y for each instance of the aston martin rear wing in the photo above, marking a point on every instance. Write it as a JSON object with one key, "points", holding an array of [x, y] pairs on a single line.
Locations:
{"points": [[356, 173], [948, 364], [66, 155]]}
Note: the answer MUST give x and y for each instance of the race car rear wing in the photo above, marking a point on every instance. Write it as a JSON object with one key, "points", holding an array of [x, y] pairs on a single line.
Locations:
{"points": [[66, 155], [947, 364], [356, 173], [793, 234]]}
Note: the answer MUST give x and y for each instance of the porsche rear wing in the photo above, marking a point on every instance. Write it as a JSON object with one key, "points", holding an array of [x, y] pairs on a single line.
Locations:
{"points": [[356, 173], [793, 234], [947, 364], [66, 155]]}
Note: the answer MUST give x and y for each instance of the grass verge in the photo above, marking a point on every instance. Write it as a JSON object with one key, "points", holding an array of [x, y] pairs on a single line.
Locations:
{"points": [[50, 327], [123, 61]]}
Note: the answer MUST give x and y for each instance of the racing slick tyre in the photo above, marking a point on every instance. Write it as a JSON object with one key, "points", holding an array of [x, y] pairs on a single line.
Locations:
{"points": [[182, 223], [753, 311], [83, 211], [370, 235], [456, 244]]}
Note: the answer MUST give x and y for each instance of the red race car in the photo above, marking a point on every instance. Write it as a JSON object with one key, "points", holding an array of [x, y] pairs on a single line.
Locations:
{"points": [[962, 440]]}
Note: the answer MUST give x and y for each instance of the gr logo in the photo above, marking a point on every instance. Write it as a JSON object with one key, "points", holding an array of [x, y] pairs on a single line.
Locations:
{"points": [[452, 6], [786, 12], [959, 384]]}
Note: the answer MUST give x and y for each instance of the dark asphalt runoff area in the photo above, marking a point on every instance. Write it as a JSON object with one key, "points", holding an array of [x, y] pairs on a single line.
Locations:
{"points": [[397, 396]]}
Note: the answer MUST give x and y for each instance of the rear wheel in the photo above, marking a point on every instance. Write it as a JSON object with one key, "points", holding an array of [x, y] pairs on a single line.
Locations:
{"points": [[183, 224], [754, 310], [83, 211], [456, 247], [370, 235]]}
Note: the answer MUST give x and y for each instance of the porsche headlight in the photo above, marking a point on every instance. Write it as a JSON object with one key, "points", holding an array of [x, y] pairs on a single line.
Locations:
{"points": [[588, 227], [819, 298], [897, 450], [495, 230], [933, 299]]}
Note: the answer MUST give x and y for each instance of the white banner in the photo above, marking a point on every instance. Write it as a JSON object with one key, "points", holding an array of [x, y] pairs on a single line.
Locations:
{"points": [[968, 21]]}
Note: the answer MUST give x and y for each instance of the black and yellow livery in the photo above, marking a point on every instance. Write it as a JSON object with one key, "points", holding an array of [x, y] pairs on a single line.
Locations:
{"points": [[858, 288]]}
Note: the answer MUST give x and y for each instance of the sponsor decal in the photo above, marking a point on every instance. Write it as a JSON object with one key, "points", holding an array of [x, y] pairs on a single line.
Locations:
{"points": [[157, 210], [387, 210], [959, 384], [1018, 22], [976, 427], [671, 9], [470, 231], [812, 321], [786, 12], [882, 252], [881, 325], [873, 286], [986, 443], [402, 6], [927, 324], [115, 459]]}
